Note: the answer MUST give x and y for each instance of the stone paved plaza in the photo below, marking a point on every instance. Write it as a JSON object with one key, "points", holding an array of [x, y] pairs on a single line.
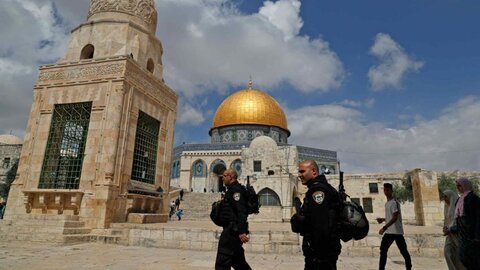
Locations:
{"points": [[24, 255]]}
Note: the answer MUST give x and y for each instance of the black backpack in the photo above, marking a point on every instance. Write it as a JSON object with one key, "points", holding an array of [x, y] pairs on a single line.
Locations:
{"points": [[216, 214], [253, 200], [353, 223]]}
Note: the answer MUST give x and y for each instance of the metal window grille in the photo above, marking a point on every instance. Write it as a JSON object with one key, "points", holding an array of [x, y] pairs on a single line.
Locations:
{"points": [[367, 205], [268, 197], [145, 153], [373, 187], [62, 163]]}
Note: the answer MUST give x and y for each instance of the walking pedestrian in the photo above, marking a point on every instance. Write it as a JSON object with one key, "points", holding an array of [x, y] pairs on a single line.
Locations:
{"points": [[467, 218], [452, 240], [230, 252], [393, 229], [316, 220]]}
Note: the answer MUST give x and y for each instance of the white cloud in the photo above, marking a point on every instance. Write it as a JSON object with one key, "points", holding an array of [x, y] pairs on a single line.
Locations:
{"points": [[190, 115], [393, 64], [209, 46], [9, 66], [32, 34], [368, 103], [448, 142], [284, 15]]}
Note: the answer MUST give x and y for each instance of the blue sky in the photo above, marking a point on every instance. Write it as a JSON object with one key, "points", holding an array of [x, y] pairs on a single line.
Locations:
{"points": [[390, 85]]}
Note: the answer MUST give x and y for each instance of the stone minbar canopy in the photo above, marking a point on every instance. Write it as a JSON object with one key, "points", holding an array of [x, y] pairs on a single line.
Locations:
{"points": [[116, 153]]}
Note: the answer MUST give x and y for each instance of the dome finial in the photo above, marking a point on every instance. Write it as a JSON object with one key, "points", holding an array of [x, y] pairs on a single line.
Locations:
{"points": [[250, 83]]}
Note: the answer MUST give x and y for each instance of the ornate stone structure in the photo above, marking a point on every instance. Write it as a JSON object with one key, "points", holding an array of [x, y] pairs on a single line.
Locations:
{"points": [[99, 137]]}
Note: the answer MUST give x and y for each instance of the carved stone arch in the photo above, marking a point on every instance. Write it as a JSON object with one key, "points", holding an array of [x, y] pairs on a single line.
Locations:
{"points": [[237, 166], [269, 197], [217, 167], [199, 168], [87, 52]]}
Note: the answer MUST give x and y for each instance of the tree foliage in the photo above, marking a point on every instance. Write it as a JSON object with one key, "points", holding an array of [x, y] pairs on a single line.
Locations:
{"points": [[404, 192], [448, 182]]}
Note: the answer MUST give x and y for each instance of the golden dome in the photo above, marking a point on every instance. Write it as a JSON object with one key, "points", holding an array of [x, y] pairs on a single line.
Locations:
{"points": [[250, 106]]}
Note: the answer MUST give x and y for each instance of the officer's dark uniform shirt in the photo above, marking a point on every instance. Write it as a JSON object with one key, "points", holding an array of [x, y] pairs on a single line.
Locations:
{"points": [[321, 238], [235, 197], [230, 251]]}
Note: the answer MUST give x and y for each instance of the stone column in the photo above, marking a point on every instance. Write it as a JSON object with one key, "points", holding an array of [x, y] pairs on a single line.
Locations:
{"points": [[426, 198]]}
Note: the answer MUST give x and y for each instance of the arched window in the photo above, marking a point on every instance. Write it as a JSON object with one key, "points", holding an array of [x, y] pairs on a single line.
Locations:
{"points": [[150, 65], [218, 167], [199, 168], [237, 166], [87, 52], [268, 197]]}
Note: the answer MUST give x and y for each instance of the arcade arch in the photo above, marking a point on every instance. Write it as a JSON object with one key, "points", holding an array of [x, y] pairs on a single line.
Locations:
{"points": [[199, 175], [217, 168], [237, 166]]}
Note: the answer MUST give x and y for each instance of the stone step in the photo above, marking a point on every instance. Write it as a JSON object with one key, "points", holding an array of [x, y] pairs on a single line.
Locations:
{"points": [[197, 206], [82, 238], [52, 217], [118, 232], [74, 224], [82, 230]]}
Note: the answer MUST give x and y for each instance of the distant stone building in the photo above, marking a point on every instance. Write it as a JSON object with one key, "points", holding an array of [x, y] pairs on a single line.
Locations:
{"points": [[100, 133], [10, 147]]}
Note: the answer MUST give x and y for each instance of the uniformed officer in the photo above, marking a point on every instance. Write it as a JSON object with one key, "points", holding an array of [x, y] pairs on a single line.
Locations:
{"points": [[316, 219], [235, 231]]}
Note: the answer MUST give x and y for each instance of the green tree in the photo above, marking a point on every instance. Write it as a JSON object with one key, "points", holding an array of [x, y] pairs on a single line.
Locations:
{"points": [[444, 183], [404, 192], [448, 182]]}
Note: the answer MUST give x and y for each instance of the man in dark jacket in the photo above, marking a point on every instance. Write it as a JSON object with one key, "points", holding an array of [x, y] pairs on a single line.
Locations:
{"points": [[317, 219], [235, 231]]}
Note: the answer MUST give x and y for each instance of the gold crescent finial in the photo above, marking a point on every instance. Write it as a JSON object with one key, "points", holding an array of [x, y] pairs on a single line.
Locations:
{"points": [[250, 83]]}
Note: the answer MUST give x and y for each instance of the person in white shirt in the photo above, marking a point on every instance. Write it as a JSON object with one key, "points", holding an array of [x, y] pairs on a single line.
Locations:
{"points": [[393, 229]]}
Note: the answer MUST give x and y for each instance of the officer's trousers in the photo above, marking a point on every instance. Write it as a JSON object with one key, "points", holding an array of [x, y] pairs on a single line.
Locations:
{"points": [[230, 252], [317, 264]]}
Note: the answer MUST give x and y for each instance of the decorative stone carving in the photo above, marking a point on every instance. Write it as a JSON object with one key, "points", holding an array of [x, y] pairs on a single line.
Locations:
{"points": [[46, 199], [143, 82], [143, 9], [81, 73]]}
